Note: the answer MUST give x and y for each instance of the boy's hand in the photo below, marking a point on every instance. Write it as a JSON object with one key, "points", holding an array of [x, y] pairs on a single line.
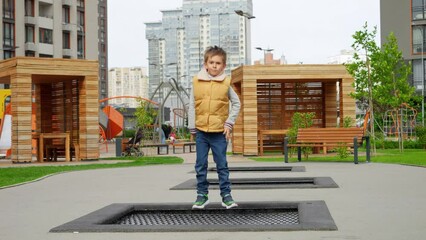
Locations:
{"points": [[227, 132]]}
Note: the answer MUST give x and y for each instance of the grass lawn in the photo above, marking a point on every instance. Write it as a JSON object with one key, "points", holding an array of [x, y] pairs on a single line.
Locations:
{"points": [[15, 175], [415, 157]]}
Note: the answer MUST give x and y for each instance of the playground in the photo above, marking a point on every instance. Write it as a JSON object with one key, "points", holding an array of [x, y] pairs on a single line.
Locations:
{"points": [[59, 110], [367, 200]]}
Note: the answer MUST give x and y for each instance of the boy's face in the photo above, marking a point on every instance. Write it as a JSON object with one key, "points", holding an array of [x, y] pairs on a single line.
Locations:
{"points": [[215, 65]]}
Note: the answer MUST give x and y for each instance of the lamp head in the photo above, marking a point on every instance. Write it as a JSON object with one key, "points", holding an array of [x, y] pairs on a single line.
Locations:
{"points": [[239, 12]]}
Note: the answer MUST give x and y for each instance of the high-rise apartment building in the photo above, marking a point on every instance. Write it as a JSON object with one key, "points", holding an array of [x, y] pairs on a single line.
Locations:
{"points": [[409, 27], [56, 29], [127, 82], [177, 42]]}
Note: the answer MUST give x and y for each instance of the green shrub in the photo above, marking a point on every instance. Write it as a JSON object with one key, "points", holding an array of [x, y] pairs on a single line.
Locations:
{"points": [[348, 122], [128, 133], [300, 120], [408, 144], [342, 150], [421, 135]]}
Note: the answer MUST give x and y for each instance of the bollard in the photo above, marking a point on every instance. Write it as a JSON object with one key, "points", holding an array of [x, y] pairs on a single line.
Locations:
{"points": [[118, 147]]}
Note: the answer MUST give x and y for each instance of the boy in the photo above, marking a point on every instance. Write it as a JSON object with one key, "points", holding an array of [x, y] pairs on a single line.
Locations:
{"points": [[212, 121]]}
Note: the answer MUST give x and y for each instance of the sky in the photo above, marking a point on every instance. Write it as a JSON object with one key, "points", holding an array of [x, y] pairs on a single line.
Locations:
{"points": [[307, 31]]}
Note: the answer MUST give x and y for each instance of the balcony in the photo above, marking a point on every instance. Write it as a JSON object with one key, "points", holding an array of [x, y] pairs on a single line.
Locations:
{"points": [[30, 46], [30, 20], [66, 52], [46, 1], [67, 27], [67, 2], [44, 22], [45, 48]]}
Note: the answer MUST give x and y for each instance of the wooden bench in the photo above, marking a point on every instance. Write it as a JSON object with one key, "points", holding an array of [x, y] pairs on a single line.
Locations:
{"points": [[329, 137], [183, 145], [158, 146]]}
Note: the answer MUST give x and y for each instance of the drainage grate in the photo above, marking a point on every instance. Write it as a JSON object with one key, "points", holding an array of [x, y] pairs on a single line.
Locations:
{"points": [[178, 217], [263, 169], [210, 217], [265, 183]]}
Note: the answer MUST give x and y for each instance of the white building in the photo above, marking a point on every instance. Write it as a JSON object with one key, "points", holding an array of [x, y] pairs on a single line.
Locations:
{"points": [[345, 56], [127, 82]]}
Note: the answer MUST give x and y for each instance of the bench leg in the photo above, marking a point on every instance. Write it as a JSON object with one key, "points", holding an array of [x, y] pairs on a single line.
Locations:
{"points": [[355, 150], [299, 154], [174, 149], [286, 150]]}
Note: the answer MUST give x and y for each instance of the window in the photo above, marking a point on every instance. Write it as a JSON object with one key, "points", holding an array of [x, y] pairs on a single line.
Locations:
{"points": [[102, 24], [103, 61], [80, 19], [80, 47], [30, 53], [418, 9], [65, 14], [29, 8], [8, 54], [418, 39], [103, 48], [45, 56], [9, 9], [8, 34], [103, 36], [102, 11], [29, 33], [46, 36], [66, 40], [80, 3]]}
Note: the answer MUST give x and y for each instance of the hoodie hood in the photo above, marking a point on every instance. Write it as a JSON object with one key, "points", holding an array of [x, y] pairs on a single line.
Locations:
{"points": [[204, 75]]}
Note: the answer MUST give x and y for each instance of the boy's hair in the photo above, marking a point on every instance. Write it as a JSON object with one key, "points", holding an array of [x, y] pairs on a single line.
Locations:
{"points": [[214, 51]]}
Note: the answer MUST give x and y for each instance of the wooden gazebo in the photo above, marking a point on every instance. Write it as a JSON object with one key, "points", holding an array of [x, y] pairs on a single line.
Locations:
{"points": [[271, 94], [52, 96]]}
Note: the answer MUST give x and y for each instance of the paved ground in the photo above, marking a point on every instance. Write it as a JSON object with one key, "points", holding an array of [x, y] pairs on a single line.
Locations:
{"points": [[374, 201]]}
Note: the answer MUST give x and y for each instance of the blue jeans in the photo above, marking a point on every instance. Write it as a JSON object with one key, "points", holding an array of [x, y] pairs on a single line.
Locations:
{"points": [[218, 144]]}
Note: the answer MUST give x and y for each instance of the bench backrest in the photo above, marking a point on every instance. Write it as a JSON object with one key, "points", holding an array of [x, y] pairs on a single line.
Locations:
{"points": [[329, 135]]}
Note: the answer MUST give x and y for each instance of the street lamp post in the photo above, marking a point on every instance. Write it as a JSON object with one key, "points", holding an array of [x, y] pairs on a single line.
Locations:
{"points": [[423, 79], [265, 50], [246, 16]]}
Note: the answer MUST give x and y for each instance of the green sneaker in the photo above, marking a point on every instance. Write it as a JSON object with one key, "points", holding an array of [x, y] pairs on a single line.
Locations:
{"points": [[201, 201], [228, 202]]}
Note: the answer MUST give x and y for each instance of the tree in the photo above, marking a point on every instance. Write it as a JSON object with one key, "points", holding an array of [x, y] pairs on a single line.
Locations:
{"points": [[363, 72], [394, 89], [145, 114], [380, 81]]}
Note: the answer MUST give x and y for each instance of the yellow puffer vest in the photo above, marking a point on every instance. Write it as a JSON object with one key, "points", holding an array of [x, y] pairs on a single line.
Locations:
{"points": [[211, 104]]}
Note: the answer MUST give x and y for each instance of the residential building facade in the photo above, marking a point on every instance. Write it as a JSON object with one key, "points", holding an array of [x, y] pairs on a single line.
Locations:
{"points": [[409, 27], [127, 82], [74, 29]]}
